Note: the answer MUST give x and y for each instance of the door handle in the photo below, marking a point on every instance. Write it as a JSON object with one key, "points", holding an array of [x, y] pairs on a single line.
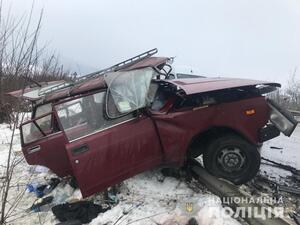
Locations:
{"points": [[34, 149], [80, 149]]}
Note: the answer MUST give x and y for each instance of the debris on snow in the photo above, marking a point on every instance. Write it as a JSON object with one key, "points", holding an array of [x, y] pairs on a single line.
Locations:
{"points": [[143, 199], [83, 211], [148, 198], [42, 204]]}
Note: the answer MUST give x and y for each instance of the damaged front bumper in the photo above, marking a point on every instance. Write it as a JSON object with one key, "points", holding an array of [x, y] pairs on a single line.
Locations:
{"points": [[281, 121]]}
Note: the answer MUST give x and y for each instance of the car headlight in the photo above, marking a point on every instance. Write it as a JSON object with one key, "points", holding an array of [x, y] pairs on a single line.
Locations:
{"points": [[281, 118]]}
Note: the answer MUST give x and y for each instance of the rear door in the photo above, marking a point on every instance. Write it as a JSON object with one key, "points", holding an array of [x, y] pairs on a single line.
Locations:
{"points": [[43, 145]]}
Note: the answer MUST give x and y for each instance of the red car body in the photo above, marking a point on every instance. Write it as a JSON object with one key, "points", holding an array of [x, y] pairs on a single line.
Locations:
{"points": [[151, 137]]}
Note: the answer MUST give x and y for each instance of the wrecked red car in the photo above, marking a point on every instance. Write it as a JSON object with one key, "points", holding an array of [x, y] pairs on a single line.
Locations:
{"points": [[110, 125]]}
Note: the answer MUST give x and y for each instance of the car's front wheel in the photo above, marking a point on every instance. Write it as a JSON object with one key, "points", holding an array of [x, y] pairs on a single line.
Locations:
{"points": [[232, 158]]}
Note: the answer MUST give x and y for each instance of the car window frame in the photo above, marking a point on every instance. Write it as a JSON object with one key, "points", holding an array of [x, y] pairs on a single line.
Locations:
{"points": [[135, 110], [52, 120], [104, 114], [44, 135]]}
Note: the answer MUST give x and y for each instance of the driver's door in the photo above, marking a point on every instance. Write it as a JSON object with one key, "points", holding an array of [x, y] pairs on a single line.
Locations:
{"points": [[107, 151]]}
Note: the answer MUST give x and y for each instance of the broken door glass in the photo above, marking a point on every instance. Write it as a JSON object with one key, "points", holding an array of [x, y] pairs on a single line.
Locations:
{"points": [[128, 90]]}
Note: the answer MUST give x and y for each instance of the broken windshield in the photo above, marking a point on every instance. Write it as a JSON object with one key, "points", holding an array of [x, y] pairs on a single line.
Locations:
{"points": [[128, 91]]}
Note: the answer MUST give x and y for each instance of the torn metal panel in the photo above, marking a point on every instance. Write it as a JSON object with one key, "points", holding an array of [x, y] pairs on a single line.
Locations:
{"points": [[32, 93], [149, 62], [89, 85], [99, 82]]}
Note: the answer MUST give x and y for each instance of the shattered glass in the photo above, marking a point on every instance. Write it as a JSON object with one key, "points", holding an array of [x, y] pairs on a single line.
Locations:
{"points": [[84, 116], [128, 90], [33, 131]]}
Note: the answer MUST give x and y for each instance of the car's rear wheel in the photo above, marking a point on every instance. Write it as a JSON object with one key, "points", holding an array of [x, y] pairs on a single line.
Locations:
{"points": [[232, 158]]}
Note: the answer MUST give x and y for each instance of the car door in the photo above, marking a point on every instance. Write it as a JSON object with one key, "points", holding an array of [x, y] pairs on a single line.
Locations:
{"points": [[42, 147], [107, 151]]}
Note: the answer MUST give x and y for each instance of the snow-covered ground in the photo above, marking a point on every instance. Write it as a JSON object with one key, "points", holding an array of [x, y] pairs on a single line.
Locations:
{"points": [[150, 201], [147, 198], [288, 154]]}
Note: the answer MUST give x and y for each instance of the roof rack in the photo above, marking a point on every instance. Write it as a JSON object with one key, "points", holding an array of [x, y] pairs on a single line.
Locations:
{"points": [[116, 67]]}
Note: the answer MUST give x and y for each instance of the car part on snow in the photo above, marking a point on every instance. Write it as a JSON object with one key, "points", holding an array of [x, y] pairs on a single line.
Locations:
{"points": [[291, 190], [282, 166], [268, 132], [84, 211], [233, 158], [273, 188], [42, 204], [227, 190], [110, 195], [274, 147], [296, 218]]}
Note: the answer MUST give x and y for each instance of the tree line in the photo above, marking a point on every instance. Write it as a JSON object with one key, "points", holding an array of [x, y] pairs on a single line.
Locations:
{"points": [[288, 97], [22, 59]]}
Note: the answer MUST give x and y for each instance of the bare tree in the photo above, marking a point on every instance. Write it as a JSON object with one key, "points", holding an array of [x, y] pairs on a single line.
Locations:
{"points": [[20, 60], [289, 97], [293, 91]]}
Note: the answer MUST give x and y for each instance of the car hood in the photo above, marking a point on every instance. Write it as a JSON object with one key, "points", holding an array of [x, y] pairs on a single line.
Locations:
{"points": [[199, 85]]}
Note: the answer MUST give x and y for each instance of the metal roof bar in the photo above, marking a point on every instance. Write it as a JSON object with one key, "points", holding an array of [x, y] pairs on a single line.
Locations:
{"points": [[116, 67]]}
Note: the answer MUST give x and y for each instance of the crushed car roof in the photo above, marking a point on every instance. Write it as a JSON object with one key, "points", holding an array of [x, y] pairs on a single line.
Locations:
{"points": [[95, 81], [89, 85], [148, 62], [31, 92], [99, 82]]}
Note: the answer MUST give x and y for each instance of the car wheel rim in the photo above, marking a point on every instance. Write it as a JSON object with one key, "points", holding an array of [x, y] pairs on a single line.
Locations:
{"points": [[231, 159]]}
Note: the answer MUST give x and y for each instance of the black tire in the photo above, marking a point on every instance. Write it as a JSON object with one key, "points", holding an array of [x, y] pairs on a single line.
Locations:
{"points": [[233, 158]]}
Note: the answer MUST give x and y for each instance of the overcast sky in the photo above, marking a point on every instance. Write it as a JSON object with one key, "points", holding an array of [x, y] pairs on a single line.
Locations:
{"points": [[234, 38]]}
